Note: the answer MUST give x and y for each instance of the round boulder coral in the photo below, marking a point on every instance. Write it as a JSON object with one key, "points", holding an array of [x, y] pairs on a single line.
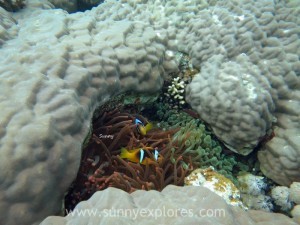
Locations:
{"points": [[235, 100]]}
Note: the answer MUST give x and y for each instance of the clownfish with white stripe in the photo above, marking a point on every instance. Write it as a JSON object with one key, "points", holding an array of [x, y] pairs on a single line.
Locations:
{"points": [[140, 155], [141, 128]]}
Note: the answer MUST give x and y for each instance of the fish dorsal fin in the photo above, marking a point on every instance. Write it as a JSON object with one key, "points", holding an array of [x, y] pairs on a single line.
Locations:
{"points": [[142, 153]]}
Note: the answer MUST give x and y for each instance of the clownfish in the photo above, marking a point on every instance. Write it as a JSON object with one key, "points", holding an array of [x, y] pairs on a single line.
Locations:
{"points": [[141, 128], [139, 155]]}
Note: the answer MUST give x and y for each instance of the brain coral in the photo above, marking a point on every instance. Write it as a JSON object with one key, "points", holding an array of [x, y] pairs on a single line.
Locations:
{"points": [[56, 68]]}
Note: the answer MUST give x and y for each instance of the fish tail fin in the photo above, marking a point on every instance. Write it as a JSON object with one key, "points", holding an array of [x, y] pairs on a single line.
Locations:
{"points": [[124, 153]]}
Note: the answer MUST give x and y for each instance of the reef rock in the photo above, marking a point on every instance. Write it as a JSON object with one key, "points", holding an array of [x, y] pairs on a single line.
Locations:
{"points": [[174, 205], [56, 68]]}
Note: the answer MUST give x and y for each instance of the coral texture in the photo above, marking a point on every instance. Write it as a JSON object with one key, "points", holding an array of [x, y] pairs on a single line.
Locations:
{"points": [[174, 205], [280, 158], [281, 196], [75, 5], [253, 189], [295, 192], [235, 100], [176, 92], [215, 182], [68, 5], [296, 213], [12, 5], [266, 36], [56, 68], [7, 26], [251, 184]]}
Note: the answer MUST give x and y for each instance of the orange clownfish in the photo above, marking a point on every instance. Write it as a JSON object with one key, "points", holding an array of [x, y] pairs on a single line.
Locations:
{"points": [[139, 155], [142, 129]]}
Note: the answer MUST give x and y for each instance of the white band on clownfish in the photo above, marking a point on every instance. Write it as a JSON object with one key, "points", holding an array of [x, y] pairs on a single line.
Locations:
{"points": [[142, 153], [156, 154]]}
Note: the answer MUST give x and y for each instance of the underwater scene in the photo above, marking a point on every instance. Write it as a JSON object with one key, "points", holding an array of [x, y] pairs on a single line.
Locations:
{"points": [[148, 112]]}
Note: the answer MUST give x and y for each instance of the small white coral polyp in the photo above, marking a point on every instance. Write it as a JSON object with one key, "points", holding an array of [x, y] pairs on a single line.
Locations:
{"points": [[176, 90], [251, 184]]}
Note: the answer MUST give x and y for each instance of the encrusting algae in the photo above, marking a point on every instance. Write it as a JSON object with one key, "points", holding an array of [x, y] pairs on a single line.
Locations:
{"points": [[217, 183]]}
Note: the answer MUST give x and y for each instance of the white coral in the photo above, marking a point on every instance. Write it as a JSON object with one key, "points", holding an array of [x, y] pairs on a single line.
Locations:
{"points": [[176, 90], [280, 195], [251, 184]]}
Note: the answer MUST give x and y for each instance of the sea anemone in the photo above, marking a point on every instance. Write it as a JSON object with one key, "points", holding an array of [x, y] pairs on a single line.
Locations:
{"points": [[102, 167]]}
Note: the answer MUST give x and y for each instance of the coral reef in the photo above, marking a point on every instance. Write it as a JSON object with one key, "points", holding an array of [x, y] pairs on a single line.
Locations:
{"points": [[282, 166], [251, 184], [217, 183], [287, 200], [174, 205], [73, 6], [7, 26], [265, 64], [68, 5], [259, 193], [167, 116], [296, 213], [281, 197], [175, 93], [87, 4], [201, 143], [173, 90], [102, 167], [186, 69], [12, 5], [237, 87], [295, 192], [197, 141], [253, 190], [57, 68], [258, 202]]}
